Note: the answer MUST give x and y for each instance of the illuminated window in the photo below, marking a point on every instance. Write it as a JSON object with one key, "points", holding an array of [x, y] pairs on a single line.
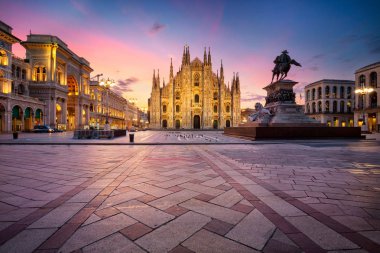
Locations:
{"points": [[39, 74], [3, 58]]}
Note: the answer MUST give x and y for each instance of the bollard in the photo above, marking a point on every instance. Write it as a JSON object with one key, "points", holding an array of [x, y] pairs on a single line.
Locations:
{"points": [[131, 137]]}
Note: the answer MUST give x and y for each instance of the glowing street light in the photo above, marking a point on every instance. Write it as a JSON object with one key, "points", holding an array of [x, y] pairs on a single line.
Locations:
{"points": [[363, 91], [107, 85]]}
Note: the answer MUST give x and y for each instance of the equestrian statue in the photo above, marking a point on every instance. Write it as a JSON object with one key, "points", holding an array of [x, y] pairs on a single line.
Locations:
{"points": [[283, 63]]}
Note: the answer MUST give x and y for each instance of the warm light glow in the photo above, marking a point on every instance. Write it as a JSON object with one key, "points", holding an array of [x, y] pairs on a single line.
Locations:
{"points": [[107, 83], [364, 90]]}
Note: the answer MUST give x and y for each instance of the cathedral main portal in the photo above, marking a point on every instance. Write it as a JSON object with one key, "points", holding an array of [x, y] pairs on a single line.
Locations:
{"points": [[197, 122]]}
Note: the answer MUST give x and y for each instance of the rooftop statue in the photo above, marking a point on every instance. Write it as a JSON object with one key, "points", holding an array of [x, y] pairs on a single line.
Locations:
{"points": [[283, 63]]}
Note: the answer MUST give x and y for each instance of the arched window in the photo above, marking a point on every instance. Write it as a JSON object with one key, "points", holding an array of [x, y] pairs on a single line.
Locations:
{"points": [[313, 107], [349, 107], [349, 92], [23, 74], [334, 92], [327, 91], [3, 58], [362, 80], [18, 72], [196, 79], [308, 95], [91, 108], [13, 70], [215, 108], [335, 106], [177, 108], [313, 94], [327, 106], [342, 106], [215, 95], [319, 92], [308, 108], [320, 106], [177, 96], [227, 108], [39, 74], [21, 89], [341, 91], [373, 79], [196, 98], [373, 99]]}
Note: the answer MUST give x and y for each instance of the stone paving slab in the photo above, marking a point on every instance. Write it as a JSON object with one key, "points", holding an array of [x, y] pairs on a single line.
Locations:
{"points": [[300, 196]]}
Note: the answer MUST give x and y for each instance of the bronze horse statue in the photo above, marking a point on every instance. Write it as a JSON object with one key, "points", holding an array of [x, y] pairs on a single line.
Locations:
{"points": [[281, 69]]}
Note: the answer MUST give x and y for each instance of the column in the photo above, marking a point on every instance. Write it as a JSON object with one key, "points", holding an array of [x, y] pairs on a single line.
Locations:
{"points": [[8, 121], [87, 114], [64, 112]]}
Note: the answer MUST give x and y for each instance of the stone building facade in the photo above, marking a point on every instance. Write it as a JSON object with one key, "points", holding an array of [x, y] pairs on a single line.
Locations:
{"points": [[367, 77], [18, 110], [106, 104], [331, 102], [61, 79], [195, 97], [52, 86]]}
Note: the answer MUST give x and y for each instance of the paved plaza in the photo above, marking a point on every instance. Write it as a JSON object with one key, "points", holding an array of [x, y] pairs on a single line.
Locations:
{"points": [[262, 196]]}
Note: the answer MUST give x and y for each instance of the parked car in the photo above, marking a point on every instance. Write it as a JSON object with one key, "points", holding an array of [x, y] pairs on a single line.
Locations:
{"points": [[56, 130], [43, 129]]}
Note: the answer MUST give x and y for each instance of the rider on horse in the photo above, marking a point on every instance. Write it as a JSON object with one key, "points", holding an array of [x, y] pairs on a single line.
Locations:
{"points": [[282, 67]]}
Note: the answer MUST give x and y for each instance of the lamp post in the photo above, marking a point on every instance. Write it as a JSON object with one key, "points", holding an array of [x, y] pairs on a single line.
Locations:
{"points": [[363, 91], [107, 84]]}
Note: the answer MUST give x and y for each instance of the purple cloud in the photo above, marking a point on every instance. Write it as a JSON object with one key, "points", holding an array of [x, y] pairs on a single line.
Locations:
{"points": [[156, 28]]}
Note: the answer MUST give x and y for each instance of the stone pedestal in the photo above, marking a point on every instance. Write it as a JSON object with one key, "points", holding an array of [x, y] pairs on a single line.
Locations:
{"points": [[287, 119]]}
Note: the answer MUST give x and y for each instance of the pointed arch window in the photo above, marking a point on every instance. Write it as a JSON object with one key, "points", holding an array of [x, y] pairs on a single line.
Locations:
{"points": [[215, 108], [196, 79], [177, 96], [215, 95], [196, 98]]}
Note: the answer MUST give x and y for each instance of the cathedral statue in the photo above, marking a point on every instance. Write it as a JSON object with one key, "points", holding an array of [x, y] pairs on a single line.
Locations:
{"points": [[283, 63]]}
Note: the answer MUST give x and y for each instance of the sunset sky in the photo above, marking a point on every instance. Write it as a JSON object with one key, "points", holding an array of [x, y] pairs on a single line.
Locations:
{"points": [[126, 40]]}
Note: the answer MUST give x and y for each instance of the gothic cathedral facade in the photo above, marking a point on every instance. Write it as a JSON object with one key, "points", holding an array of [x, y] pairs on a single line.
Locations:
{"points": [[195, 98]]}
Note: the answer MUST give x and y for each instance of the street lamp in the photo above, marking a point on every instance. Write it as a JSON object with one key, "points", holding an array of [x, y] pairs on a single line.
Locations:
{"points": [[107, 84], [363, 91]]}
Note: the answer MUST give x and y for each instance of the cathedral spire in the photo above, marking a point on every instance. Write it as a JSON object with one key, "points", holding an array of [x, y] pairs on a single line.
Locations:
{"points": [[158, 77], [237, 82], [205, 58], [221, 69], [154, 79], [209, 57], [184, 55], [171, 69], [188, 55]]}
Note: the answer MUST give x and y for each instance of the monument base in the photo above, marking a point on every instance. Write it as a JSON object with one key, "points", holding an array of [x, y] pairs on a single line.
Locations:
{"points": [[293, 132]]}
